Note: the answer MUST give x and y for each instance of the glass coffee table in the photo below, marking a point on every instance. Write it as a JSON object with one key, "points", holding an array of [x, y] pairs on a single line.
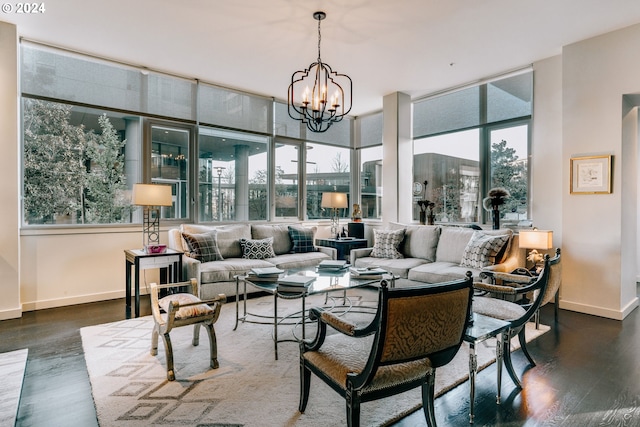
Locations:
{"points": [[325, 282]]}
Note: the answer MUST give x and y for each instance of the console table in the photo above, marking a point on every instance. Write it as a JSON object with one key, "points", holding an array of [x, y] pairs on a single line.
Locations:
{"points": [[169, 263], [343, 246]]}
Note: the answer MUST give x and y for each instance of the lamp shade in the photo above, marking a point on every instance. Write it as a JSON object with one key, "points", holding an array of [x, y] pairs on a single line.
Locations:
{"points": [[151, 195], [536, 239], [334, 200]]}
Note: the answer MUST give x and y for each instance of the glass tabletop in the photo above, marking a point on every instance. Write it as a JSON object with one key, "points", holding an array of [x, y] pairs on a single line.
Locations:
{"points": [[324, 280], [484, 327]]}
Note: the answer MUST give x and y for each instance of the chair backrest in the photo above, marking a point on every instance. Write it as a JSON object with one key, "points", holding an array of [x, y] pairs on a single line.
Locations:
{"points": [[422, 321], [539, 289], [555, 278]]}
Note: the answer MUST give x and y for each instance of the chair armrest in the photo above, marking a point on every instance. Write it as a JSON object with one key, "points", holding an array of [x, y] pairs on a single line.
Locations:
{"points": [[359, 253], [498, 289], [191, 268], [332, 252], [514, 278], [338, 323]]}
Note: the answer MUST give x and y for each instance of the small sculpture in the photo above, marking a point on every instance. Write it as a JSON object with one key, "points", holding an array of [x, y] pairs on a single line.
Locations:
{"points": [[426, 207], [356, 215]]}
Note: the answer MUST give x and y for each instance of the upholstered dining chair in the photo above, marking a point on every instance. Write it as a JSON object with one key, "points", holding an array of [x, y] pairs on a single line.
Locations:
{"points": [[517, 314], [183, 309], [414, 331]]}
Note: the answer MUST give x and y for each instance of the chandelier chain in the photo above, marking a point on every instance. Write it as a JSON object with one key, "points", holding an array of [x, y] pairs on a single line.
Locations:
{"points": [[319, 38]]}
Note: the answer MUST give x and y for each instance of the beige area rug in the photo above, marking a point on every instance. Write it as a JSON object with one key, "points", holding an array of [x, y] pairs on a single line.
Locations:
{"points": [[249, 388], [12, 367]]}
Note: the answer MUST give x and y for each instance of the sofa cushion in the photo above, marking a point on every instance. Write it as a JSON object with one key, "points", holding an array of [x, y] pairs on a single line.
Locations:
{"points": [[228, 236], [278, 232], [439, 271], [452, 243], [386, 243], [302, 239], [289, 261], [420, 241], [226, 270], [482, 249], [202, 246], [399, 267], [257, 249]]}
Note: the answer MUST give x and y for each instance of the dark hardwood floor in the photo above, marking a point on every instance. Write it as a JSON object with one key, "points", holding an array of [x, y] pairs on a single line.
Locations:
{"points": [[587, 373]]}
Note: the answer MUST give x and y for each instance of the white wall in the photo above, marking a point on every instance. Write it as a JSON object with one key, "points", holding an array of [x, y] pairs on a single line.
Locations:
{"points": [[598, 277], [9, 183]]}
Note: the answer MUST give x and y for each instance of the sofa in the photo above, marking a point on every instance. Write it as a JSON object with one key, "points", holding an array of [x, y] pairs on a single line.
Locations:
{"points": [[214, 255], [433, 254]]}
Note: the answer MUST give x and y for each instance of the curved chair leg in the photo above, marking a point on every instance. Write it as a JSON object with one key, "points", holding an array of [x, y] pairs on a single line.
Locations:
{"points": [[305, 380], [523, 346], [428, 397], [213, 345], [168, 349], [506, 354]]}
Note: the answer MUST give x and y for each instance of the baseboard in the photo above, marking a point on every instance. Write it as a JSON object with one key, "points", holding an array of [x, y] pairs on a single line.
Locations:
{"points": [[62, 302], [599, 311], [14, 313]]}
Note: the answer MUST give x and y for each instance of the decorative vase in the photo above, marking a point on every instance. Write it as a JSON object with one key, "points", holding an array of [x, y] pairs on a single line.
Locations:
{"points": [[423, 217], [431, 219], [496, 217]]}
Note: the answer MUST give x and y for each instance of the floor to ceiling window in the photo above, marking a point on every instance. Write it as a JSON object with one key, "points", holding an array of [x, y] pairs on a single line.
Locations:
{"points": [[328, 170], [469, 141]]}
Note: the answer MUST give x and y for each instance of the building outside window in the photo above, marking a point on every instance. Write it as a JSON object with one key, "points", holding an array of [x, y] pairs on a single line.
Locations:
{"points": [[371, 182], [328, 170]]}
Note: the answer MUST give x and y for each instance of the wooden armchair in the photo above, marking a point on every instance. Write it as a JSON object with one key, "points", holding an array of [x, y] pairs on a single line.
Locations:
{"points": [[182, 309], [415, 330]]}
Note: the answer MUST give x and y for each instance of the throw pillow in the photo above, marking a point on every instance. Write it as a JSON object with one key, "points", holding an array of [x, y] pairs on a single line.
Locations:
{"points": [[386, 243], [482, 249], [257, 249], [185, 312], [302, 239], [203, 246]]}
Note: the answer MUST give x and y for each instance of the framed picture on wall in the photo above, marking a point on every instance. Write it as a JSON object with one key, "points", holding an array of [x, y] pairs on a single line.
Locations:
{"points": [[591, 175]]}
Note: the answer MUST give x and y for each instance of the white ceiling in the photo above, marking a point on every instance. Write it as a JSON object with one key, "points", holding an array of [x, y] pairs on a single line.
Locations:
{"points": [[413, 46]]}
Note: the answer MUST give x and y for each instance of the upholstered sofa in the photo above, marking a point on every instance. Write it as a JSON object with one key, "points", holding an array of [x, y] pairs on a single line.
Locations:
{"points": [[434, 254], [214, 255]]}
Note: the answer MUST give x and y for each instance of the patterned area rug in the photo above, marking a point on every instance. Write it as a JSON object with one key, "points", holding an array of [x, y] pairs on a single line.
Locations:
{"points": [[12, 367], [249, 389]]}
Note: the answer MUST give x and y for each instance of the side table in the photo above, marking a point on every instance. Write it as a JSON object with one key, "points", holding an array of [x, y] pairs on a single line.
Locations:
{"points": [[169, 263], [343, 246]]}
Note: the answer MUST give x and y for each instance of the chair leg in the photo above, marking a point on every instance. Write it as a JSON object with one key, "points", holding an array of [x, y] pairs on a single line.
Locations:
{"points": [[213, 345], [353, 409], [154, 340], [523, 345], [196, 335], [556, 304], [506, 354], [305, 384], [428, 397], [168, 349]]}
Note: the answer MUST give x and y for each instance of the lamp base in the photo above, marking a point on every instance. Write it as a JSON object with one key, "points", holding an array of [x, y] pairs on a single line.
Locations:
{"points": [[155, 249]]}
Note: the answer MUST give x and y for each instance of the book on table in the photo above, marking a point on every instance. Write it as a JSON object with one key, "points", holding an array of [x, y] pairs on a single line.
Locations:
{"points": [[295, 283], [266, 271], [332, 264], [367, 272]]}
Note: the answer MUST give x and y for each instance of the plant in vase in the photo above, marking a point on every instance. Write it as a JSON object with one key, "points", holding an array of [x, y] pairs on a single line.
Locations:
{"points": [[493, 201], [426, 208]]}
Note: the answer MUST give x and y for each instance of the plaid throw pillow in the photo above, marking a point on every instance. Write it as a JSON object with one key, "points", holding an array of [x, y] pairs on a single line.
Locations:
{"points": [[386, 243], [257, 249], [302, 239], [482, 249], [203, 246]]}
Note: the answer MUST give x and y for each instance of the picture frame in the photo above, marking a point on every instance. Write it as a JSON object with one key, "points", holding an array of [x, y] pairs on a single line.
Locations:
{"points": [[591, 175]]}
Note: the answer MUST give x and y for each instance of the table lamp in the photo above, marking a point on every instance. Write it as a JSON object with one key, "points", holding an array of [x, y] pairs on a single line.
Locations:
{"points": [[334, 201], [151, 197], [535, 239]]}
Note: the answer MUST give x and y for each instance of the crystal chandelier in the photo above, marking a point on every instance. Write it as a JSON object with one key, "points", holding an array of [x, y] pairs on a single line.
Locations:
{"points": [[312, 87]]}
